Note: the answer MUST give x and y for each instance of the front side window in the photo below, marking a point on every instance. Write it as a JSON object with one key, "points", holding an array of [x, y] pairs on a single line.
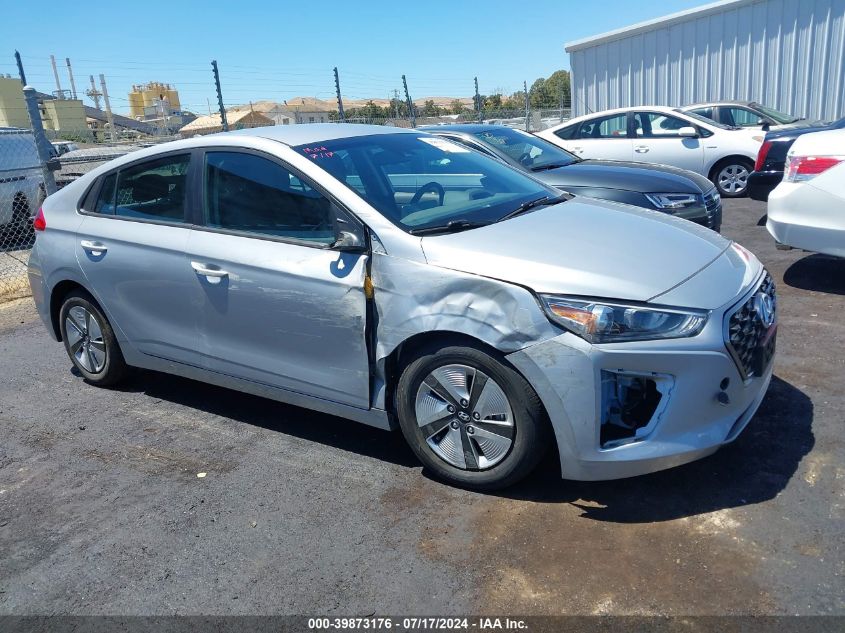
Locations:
{"points": [[614, 126], [528, 150], [422, 182], [740, 116], [153, 190], [249, 193], [657, 125]]}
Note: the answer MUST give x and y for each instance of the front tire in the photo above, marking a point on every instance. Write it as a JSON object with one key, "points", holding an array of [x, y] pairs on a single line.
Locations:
{"points": [[90, 341], [470, 418], [731, 177]]}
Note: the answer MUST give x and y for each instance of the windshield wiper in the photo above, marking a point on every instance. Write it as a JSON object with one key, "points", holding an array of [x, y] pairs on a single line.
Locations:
{"points": [[538, 202], [453, 226], [548, 166]]}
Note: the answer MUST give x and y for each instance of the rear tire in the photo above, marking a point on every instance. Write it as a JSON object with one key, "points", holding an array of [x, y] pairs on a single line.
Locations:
{"points": [[90, 341], [730, 176], [480, 426]]}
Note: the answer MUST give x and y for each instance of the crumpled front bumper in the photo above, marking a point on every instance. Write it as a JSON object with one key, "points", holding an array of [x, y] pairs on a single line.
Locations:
{"points": [[699, 409]]}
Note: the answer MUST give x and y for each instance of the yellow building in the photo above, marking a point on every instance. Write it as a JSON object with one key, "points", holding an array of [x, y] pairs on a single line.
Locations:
{"points": [[145, 99], [12, 104], [64, 115]]}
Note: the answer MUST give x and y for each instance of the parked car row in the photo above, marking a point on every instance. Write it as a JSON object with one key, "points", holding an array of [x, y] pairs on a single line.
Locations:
{"points": [[407, 280]]}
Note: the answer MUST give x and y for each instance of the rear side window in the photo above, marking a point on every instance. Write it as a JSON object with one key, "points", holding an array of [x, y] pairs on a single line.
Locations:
{"points": [[707, 113], [153, 190], [245, 192], [613, 126]]}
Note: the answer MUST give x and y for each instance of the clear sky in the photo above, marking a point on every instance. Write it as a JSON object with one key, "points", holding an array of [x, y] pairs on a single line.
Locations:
{"points": [[279, 49]]}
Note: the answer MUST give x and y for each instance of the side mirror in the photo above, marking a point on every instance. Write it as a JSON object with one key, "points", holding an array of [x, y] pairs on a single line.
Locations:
{"points": [[688, 132], [348, 242], [764, 124]]}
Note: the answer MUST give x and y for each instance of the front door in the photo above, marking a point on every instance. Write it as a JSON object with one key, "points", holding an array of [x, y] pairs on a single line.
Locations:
{"points": [[279, 306]]}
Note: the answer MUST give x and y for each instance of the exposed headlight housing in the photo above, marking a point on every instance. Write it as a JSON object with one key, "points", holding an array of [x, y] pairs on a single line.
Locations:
{"points": [[603, 322], [674, 201]]}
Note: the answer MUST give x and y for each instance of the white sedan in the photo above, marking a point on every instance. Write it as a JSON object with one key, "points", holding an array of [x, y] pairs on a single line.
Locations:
{"points": [[807, 210], [655, 134]]}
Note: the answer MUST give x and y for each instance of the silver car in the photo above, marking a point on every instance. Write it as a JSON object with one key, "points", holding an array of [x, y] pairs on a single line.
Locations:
{"points": [[400, 280]]}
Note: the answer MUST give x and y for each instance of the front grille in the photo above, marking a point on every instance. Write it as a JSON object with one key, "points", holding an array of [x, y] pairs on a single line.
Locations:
{"points": [[748, 336], [713, 205]]}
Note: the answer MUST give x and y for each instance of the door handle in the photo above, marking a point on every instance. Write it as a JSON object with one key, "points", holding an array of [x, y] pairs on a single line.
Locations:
{"points": [[95, 248], [214, 274], [641, 149]]}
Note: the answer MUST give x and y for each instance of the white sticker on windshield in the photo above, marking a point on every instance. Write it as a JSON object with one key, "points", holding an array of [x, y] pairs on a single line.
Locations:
{"points": [[444, 144]]}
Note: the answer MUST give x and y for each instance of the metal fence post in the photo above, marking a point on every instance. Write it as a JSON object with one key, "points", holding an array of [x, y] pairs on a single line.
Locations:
{"points": [[42, 145], [477, 101], [527, 111], [339, 99], [561, 100], [410, 103], [109, 117], [223, 120], [20, 68]]}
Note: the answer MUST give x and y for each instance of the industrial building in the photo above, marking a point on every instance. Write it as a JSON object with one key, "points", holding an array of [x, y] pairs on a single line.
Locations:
{"points": [[57, 115], [153, 100], [787, 54]]}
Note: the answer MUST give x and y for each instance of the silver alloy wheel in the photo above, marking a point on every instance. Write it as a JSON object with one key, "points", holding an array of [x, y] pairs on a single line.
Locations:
{"points": [[465, 417], [733, 178], [85, 339]]}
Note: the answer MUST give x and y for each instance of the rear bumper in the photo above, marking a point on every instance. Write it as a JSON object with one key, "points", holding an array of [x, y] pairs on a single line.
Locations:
{"points": [[803, 216], [761, 183]]}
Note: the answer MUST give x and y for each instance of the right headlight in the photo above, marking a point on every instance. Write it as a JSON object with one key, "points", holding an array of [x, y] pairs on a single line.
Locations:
{"points": [[600, 321]]}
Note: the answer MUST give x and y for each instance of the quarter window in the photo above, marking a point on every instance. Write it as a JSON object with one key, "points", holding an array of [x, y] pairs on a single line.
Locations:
{"points": [[614, 126], [245, 192]]}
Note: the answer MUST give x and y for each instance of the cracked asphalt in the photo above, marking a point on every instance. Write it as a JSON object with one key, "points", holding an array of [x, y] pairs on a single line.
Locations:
{"points": [[102, 510]]}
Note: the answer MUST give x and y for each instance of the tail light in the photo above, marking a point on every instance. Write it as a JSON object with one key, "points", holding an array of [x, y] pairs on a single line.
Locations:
{"points": [[39, 223], [803, 168], [761, 155]]}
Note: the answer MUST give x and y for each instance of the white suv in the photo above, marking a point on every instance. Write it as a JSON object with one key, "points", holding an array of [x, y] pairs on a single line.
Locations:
{"points": [[655, 134]]}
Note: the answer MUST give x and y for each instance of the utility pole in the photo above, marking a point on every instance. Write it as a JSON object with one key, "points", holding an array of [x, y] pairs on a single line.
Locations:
{"points": [[223, 120], [94, 93], [396, 103], [527, 113], [410, 103], [477, 101], [20, 68], [56, 75], [339, 100], [109, 116], [70, 74]]}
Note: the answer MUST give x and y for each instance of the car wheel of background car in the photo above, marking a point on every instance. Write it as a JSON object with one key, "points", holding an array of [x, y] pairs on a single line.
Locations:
{"points": [[731, 177], [470, 418], [90, 341]]}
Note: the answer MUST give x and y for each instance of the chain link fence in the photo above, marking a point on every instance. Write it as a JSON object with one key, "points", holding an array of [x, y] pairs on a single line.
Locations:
{"points": [[21, 193]]}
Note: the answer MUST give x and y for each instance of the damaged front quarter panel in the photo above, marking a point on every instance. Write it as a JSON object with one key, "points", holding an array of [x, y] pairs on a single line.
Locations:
{"points": [[413, 298]]}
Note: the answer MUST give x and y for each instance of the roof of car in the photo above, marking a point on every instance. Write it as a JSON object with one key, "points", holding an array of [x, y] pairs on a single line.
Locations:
{"points": [[591, 115], [317, 132], [469, 128], [710, 104]]}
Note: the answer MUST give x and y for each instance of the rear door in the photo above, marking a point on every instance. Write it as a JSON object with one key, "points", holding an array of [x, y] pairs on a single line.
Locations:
{"points": [[131, 248], [656, 140], [604, 137], [278, 305]]}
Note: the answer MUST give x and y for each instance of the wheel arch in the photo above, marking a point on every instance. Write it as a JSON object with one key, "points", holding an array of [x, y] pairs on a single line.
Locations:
{"points": [[57, 297], [742, 158]]}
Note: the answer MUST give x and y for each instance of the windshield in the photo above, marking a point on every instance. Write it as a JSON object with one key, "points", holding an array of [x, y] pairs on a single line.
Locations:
{"points": [[780, 117], [705, 120], [526, 149], [419, 181]]}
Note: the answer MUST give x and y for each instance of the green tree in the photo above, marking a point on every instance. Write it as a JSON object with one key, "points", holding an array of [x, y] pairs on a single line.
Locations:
{"points": [[457, 107], [430, 109]]}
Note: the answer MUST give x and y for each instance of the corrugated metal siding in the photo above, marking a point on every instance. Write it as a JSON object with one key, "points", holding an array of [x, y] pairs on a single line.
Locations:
{"points": [[788, 54]]}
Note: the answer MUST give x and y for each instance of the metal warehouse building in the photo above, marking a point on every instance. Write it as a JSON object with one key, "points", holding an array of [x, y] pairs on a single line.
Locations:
{"points": [[788, 54]]}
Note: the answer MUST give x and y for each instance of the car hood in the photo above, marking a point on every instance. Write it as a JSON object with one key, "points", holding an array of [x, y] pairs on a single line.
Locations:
{"points": [[628, 176], [583, 247]]}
